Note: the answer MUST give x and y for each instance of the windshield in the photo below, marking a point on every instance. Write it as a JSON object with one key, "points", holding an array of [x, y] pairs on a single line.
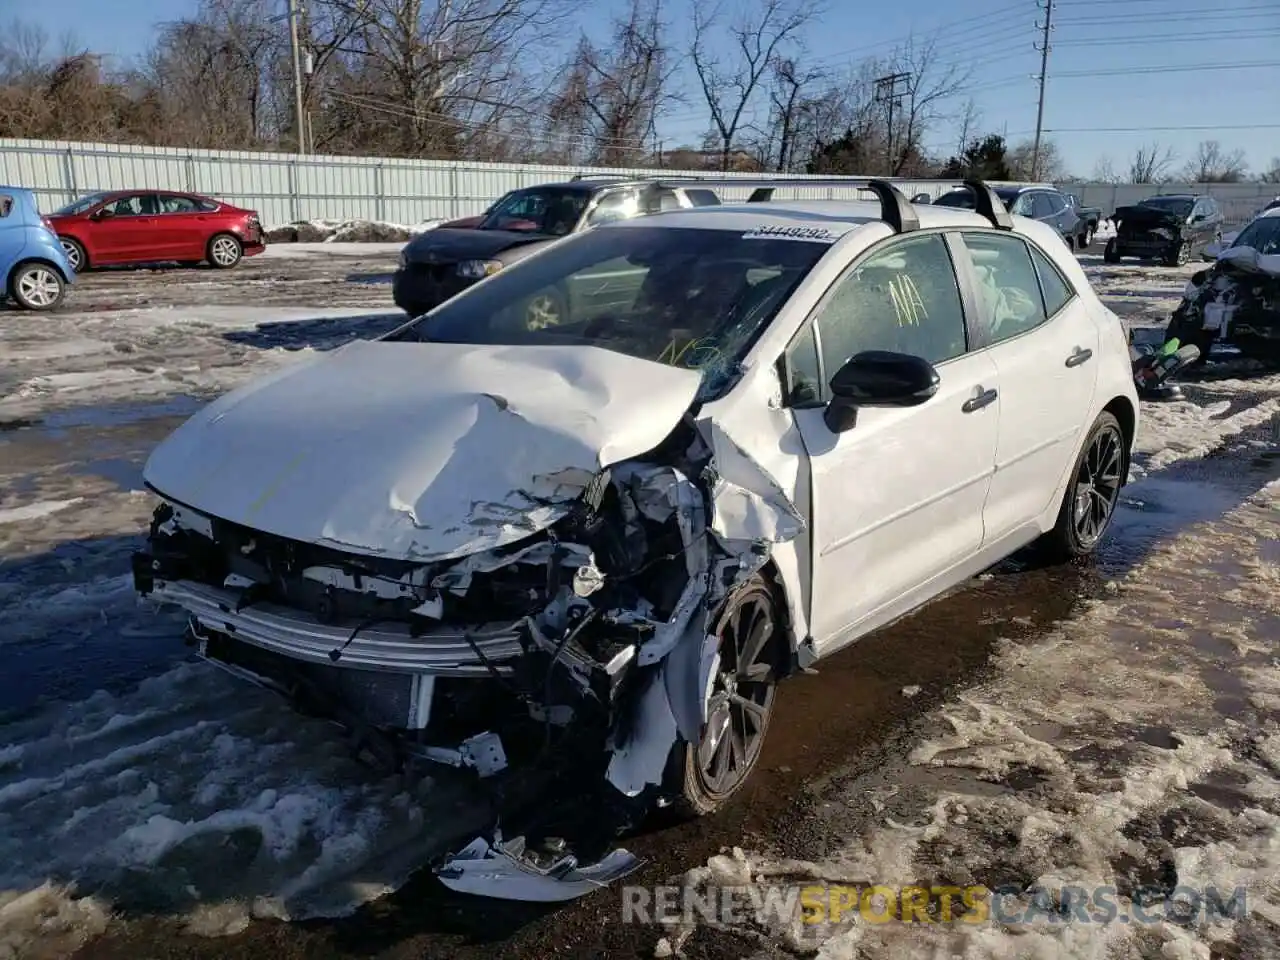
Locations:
{"points": [[551, 210], [693, 298], [964, 198], [81, 205], [1181, 206], [1263, 235]]}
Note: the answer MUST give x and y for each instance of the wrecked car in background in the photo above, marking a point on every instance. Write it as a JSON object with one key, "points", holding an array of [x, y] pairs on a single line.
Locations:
{"points": [[760, 433], [1172, 229], [1238, 298]]}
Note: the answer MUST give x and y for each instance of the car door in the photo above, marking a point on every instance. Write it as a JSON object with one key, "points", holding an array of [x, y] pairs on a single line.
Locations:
{"points": [[1043, 342], [13, 236], [896, 501], [124, 229], [181, 231], [1065, 218]]}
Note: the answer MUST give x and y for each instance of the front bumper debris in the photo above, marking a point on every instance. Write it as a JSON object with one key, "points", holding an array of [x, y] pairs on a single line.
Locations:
{"points": [[507, 871]]}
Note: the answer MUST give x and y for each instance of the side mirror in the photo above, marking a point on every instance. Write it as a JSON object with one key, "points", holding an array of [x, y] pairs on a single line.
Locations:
{"points": [[922, 198], [878, 378], [102, 214]]}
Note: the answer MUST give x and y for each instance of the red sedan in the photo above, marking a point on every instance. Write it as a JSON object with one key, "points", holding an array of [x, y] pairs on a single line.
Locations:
{"points": [[151, 226]]}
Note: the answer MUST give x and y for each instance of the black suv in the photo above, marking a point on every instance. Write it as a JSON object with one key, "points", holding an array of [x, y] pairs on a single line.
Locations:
{"points": [[1039, 203], [443, 262], [1171, 228]]}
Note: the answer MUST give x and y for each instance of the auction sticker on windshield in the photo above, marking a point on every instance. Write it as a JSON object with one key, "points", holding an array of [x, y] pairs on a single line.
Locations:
{"points": [[779, 232]]}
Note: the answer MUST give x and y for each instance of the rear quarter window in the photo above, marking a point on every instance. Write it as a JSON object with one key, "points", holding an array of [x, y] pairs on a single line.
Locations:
{"points": [[6, 205], [207, 206]]}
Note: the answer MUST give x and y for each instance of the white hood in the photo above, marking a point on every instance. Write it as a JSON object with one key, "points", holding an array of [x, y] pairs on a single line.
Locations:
{"points": [[419, 451]]}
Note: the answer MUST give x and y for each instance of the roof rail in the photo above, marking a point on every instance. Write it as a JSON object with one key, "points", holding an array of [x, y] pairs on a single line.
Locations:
{"points": [[895, 208], [989, 205], [599, 176]]}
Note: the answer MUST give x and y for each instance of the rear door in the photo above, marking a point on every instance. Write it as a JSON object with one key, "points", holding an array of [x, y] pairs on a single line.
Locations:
{"points": [[181, 230], [1044, 345], [12, 234]]}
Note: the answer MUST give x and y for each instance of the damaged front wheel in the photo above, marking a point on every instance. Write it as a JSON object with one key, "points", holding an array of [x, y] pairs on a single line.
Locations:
{"points": [[744, 681]]}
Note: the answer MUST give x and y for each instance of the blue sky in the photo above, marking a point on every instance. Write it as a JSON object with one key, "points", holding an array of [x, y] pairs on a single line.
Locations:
{"points": [[994, 39]]}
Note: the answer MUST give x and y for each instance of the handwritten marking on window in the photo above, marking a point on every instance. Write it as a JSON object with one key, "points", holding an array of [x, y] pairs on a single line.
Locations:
{"points": [[907, 302], [695, 354]]}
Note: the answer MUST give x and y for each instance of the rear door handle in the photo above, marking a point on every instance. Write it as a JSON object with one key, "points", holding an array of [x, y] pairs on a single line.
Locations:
{"points": [[983, 399], [1078, 357]]}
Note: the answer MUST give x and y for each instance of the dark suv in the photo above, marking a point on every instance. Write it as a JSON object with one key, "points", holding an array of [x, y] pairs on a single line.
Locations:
{"points": [[443, 262], [1039, 203], [1172, 229]]}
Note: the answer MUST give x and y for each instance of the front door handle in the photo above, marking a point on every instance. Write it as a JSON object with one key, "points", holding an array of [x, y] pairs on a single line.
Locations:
{"points": [[1079, 357], [977, 402]]}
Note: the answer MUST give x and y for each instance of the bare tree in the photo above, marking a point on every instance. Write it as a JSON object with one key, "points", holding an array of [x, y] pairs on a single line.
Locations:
{"points": [[610, 97], [967, 125], [1272, 174], [1021, 166], [1212, 164], [730, 82], [1150, 164], [931, 83], [1104, 171]]}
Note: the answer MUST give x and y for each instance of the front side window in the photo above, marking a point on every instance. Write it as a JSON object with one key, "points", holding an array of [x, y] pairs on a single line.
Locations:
{"points": [[1008, 288], [1041, 206], [138, 205], [1055, 201], [694, 298], [622, 205], [551, 210], [903, 298]]}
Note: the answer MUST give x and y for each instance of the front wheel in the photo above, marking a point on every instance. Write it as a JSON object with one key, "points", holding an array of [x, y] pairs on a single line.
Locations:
{"points": [[37, 286], [1089, 503], [225, 251], [1178, 256], [744, 683], [1111, 252]]}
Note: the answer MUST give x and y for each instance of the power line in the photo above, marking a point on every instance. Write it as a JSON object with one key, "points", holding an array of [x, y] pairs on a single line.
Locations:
{"points": [[1186, 68], [1149, 38], [1174, 129], [1232, 13]]}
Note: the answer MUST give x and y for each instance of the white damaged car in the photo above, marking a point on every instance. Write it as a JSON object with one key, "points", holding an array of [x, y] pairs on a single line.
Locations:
{"points": [[757, 433]]}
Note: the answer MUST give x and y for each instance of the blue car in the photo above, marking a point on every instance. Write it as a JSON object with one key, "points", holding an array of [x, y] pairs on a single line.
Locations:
{"points": [[33, 266]]}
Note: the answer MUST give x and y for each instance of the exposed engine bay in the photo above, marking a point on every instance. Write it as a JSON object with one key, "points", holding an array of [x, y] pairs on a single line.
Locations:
{"points": [[593, 636], [1236, 300]]}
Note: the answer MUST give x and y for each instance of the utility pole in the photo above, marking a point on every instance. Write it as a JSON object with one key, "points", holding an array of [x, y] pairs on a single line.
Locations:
{"points": [[887, 91], [300, 117], [1043, 77]]}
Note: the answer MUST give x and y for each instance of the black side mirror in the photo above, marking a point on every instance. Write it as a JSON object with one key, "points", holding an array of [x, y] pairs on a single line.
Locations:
{"points": [[878, 378], [102, 214], [922, 198]]}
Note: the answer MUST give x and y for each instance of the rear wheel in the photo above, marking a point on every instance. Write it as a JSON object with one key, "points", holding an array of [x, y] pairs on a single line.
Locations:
{"points": [[1178, 256], [1089, 503], [743, 687], [225, 251], [36, 286], [76, 256], [1111, 252]]}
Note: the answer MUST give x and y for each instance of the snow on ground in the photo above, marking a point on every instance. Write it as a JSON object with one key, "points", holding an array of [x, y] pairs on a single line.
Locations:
{"points": [[1135, 750], [177, 789], [329, 248], [348, 231]]}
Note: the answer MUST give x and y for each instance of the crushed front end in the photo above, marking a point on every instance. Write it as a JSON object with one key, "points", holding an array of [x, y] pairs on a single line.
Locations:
{"points": [[590, 636], [1237, 300]]}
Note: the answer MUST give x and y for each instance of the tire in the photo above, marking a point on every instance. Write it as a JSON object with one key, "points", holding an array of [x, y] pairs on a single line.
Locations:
{"points": [[1083, 240], [547, 308], [1111, 252], [699, 775], [1096, 480], [37, 286], [75, 252], [1179, 256], [224, 251]]}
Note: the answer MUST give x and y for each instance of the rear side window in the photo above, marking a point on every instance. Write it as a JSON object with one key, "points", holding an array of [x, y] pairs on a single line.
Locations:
{"points": [[6, 205], [206, 206], [1057, 289], [1009, 296], [170, 203]]}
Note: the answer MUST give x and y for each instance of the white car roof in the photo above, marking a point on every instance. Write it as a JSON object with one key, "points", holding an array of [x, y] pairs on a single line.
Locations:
{"points": [[838, 217], [1273, 212]]}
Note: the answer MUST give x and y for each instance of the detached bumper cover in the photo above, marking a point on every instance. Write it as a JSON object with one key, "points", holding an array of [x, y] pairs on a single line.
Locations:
{"points": [[499, 870], [444, 651]]}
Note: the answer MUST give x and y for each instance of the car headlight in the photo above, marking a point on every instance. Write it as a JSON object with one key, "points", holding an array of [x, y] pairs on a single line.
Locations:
{"points": [[478, 269]]}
